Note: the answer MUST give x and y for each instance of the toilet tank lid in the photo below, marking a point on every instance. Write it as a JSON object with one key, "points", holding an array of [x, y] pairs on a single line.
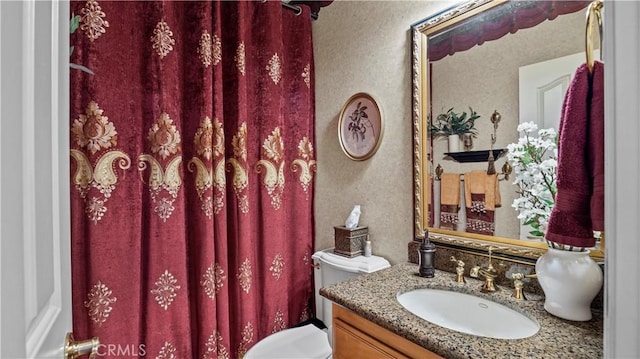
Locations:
{"points": [[359, 264]]}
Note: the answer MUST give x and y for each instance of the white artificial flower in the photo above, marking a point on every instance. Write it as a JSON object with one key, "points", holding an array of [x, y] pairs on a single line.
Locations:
{"points": [[549, 164], [547, 133], [534, 162], [527, 127]]}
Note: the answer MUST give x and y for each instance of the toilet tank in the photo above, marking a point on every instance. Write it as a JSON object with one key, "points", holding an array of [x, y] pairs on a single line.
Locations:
{"points": [[331, 268]]}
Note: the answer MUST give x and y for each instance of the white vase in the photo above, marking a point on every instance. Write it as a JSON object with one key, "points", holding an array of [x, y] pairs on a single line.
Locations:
{"points": [[570, 281], [454, 143]]}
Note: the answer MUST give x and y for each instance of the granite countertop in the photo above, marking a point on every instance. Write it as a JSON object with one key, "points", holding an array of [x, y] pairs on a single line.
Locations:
{"points": [[373, 296]]}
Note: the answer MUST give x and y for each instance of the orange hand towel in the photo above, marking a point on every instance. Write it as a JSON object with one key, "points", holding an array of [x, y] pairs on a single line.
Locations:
{"points": [[492, 192], [450, 189], [479, 182]]}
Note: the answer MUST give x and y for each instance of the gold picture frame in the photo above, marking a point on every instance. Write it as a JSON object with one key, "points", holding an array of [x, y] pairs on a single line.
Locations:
{"points": [[360, 126]]}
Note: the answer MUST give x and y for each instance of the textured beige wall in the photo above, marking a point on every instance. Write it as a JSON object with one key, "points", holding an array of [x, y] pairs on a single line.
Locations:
{"points": [[365, 46]]}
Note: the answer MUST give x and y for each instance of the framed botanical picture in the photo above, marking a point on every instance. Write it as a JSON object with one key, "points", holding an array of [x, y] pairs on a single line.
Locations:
{"points": [[360, 127]]}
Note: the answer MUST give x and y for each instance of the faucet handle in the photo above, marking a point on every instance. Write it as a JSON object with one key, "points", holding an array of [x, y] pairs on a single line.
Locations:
{"points": [[518, 284], [459, 269], [475, 271]]}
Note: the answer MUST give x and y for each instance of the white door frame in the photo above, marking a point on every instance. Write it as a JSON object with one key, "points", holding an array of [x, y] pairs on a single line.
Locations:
{"points": [[35, 296], [621, 51]]}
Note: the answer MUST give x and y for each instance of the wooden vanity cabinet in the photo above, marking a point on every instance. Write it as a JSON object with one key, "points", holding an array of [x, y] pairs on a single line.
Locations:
{"points": [[356, 337]]}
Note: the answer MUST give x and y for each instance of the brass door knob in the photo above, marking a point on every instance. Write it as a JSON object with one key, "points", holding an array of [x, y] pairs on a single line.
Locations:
{"points": [[73, 349]]}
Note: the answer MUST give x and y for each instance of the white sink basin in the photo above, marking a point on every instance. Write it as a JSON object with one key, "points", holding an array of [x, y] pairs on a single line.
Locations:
{"points": [[468, 314]]}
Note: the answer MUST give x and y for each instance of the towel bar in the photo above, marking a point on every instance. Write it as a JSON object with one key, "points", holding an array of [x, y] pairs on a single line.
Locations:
{"points": [[593, 14], [506, 171]]}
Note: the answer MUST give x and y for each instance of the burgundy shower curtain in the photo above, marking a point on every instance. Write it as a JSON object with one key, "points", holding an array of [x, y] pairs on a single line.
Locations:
{"points": [[192, 169]]}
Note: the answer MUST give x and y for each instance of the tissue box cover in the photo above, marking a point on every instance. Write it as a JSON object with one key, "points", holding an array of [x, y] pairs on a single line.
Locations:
{"points": [[349, 242]]}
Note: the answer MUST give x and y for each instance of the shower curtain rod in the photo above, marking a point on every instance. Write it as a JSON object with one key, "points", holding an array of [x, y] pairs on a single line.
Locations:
{"points": [[296, 9]]}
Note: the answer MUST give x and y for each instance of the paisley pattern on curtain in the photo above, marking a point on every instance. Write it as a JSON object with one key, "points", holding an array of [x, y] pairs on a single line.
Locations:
{"points": [[192, 175]]}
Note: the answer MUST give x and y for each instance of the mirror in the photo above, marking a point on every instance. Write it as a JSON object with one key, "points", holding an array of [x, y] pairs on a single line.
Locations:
{"points": [[489, 59]]}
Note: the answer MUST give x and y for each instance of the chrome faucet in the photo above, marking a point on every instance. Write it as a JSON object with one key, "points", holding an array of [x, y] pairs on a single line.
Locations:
{"points": [[489, 273]]}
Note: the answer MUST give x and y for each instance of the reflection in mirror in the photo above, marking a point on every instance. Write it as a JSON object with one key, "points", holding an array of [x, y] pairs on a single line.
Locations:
{"points": [[510, 59]]}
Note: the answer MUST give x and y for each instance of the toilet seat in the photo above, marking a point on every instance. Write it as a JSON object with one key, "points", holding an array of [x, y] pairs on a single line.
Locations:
{"points": [[308, 342]]}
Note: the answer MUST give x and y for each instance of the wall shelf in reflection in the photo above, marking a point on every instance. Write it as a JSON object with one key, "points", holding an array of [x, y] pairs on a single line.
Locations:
{"points": [[474, 156]]}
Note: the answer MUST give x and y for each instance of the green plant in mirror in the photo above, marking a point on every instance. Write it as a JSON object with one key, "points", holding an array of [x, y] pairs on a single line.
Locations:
{"points": [[452, 123]]}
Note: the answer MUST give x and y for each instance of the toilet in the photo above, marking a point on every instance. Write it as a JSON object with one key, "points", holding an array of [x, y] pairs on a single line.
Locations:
{"points": [[309, 341]]}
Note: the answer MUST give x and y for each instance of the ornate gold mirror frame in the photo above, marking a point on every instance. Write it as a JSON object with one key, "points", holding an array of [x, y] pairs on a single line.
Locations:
{"points": [[421, 171]]}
